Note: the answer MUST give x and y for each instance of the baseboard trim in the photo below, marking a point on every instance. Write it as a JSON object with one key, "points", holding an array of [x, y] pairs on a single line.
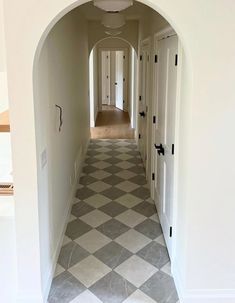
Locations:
{"points": [[200, 295], [50, 273]]}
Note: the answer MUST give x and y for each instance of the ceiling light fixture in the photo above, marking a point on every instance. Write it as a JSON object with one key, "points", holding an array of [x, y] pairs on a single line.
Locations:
{"points": [[113, 20], [113, 5], [113, 32]]}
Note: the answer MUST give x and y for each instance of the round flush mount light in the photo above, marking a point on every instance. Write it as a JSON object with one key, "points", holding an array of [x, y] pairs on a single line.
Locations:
{"points": [[113, 20], [113, 32], [113, 5]]}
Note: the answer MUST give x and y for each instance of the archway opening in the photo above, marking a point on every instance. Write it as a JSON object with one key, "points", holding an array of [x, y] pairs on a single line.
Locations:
{"points": [[63, 89]]}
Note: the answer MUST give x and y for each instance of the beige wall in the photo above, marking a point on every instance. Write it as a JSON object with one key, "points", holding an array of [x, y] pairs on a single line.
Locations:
{"points": [[61, 78]]}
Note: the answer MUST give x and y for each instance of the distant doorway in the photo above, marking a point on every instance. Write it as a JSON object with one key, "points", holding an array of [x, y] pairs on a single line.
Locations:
{"points": [[113, 78]]}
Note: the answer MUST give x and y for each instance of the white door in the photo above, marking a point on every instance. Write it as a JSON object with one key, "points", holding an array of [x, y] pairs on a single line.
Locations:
{"points": [[119, 79], [165, 133], [143, 106], [105, 77]]}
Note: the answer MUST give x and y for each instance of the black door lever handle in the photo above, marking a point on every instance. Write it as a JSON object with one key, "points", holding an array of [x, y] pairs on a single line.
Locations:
{"points": [[160, 149], [142, 114]]}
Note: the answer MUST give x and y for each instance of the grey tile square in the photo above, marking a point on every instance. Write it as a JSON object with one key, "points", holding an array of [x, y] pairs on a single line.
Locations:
{"points": [[84, 193], [113, 228], [149, 228], [113, 209], [155, 254], [137, 169], [92, 152], [112, 288], [136, 160], [139, 179], [113, 169], [141, 192], [89, 169], [86, 180], [113, 193], [65, 287], [81, 208], [76, 229], [113, 254], [113, 160], [113, 180], [71, 254], [145, 208], [90, 160], [161, 288]]}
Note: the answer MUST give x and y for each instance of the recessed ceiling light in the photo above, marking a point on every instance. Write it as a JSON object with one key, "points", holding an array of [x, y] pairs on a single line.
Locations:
{"points": [[113, 5]]}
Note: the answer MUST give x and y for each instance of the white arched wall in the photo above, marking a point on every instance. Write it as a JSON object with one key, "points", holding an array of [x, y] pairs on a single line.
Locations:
{"points": [[205, 265]]}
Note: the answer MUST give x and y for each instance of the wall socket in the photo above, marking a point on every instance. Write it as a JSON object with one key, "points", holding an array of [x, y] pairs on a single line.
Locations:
{"points": [[43, 158]]}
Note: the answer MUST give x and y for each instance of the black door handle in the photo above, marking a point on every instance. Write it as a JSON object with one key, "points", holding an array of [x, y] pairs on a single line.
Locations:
{"points": [[160, 149], [115, 83], [142, 114]]}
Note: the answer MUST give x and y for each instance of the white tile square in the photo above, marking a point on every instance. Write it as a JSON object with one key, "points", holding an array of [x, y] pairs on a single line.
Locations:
{"points": [[100, 174], [139, 297], [130, 217], [124, 157], [102, 156], [89, 270], [127, 186], [72, 218], [123, 149], [86, 297], [98, 186], [95, 218], [66, 240], [160, 239], [92, 241], [136, 270], [103, 149], [167, 268], [133, 240], [128, 200], [125, 164], [97, 200], [155, 218], [125, 174], [58, 270], [101, 164]]}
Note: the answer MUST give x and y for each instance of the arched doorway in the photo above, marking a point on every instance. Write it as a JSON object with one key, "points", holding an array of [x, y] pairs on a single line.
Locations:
{"points": [[35, 68]]}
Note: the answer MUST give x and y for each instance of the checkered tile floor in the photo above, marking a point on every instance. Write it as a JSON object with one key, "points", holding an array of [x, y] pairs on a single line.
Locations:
{"points": [[114, 249]]}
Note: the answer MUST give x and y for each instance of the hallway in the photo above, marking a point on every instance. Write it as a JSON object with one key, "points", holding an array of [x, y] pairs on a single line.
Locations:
{"points": [[113, 250], [112, 123]]}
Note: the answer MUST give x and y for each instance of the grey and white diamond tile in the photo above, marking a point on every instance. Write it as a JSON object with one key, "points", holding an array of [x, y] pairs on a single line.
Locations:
{"points": [[113, 249]]}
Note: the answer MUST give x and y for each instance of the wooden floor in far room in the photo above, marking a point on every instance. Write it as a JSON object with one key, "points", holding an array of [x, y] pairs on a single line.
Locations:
{"points": [[112, 123]]}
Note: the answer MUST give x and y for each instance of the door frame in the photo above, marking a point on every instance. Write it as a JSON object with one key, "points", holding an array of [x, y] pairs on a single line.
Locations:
{"points": [[125, 70], [145, 45], [168, 31]]}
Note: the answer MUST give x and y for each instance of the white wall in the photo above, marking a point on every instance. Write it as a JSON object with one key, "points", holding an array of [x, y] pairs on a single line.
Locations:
{"points": [[3, 73], [62, 78], [205, 264]]}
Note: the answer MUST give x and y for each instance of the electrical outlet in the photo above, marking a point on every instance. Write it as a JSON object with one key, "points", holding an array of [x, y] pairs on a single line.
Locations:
{"points": [[43, 158]]}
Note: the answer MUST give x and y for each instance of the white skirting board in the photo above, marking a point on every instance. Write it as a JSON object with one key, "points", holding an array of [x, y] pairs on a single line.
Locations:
{"points": [[201, 295], [81, 155]]}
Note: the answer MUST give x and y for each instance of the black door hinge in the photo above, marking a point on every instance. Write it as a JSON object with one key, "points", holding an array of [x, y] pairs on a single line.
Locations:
{"points": [[124, 79], [153, 176], [176, 60], [141, 57], [173, 149], [170, 231], [139, 136], [154, 119], [156, 59], [140, 98], [124, 57]]}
